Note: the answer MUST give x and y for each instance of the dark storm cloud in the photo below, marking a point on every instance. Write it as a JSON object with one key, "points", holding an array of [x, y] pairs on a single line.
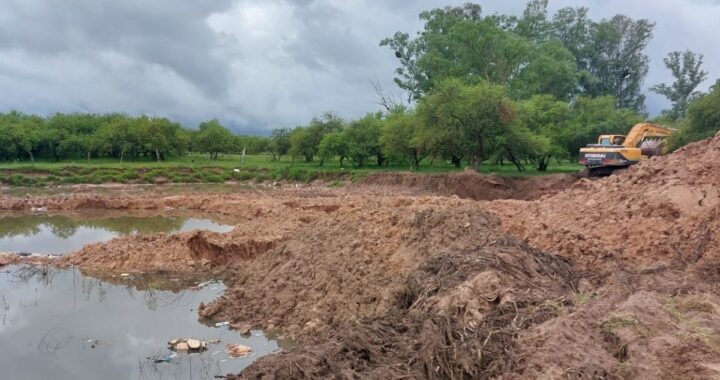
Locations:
{"points": [[172, 34], [255, 64]]}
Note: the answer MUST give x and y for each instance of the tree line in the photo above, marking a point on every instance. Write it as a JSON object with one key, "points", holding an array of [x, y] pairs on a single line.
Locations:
{"points": [[501, 89]]}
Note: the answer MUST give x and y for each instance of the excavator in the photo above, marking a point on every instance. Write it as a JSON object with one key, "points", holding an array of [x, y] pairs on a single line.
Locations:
{"points": [[613, 152]]}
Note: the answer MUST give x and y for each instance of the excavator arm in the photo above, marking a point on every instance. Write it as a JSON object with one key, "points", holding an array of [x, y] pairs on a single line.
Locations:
{"points": [[641, 131]]}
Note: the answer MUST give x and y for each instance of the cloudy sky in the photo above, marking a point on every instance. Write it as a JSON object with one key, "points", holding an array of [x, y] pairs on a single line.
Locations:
{"points": [[256, 64]]}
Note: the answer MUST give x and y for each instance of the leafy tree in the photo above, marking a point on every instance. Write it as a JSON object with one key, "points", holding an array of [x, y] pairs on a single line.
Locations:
{"points": [[545, 120], [363, 139], [399, 141], [551, 70], [519, 144], [161, 137], [534, 24], [469, 115], [302, 144], [305, 141], [251, 144], [214, 139], [279, 144], [704, 116], [334, 144], [413, 75], [685, 68], [617, 61]]}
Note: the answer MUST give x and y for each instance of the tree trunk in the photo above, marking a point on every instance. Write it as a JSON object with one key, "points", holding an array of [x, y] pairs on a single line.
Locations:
{"points": [[456, 161], [88, 152], [32, 158], [518, 165], [543, 163], [157, 155], [122, 155]]}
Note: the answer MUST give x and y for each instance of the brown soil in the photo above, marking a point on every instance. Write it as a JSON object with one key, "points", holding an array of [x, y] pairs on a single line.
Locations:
{"points": [[398, 277], [470, 185]]}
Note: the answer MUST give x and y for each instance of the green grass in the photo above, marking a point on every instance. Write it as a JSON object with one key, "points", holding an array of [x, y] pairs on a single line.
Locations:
{"points": [[199, 168]]}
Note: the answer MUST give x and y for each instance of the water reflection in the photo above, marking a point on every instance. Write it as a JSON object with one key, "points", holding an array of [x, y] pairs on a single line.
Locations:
{"points": [[62, 233], [60, 324]]}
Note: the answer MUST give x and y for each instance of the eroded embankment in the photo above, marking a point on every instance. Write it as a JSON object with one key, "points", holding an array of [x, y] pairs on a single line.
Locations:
{"points": [[468, 185]]}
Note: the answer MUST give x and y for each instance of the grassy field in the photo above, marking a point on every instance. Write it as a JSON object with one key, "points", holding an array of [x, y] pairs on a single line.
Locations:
{"points": [[199, 168]]}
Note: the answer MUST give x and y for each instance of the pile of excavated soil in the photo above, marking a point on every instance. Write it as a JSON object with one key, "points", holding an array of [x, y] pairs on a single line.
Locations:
{"points": [[648, 242], [469, 185], [352, 264], [659, 213], [423, 291]]}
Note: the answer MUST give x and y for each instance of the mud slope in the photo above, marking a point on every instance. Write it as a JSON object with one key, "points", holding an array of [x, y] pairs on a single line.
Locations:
{"points": [[648, 242], [469, 185], [265, 222], [659, 213], [428, 289]]}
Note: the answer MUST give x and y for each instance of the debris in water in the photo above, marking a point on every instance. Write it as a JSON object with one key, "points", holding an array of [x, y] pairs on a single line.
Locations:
{"points": [[163, 358], [190, 345], [238, 350], [221, 324]]}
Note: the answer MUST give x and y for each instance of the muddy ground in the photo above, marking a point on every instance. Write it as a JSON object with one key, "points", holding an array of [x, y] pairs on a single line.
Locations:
{"points": [[454, 275]]}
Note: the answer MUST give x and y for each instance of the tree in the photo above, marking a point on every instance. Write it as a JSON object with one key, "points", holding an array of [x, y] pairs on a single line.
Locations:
{"points": [[213, 139], [302, 144], [415, 72], [550, 70], [545, 120], [160, 137], [279, 143], [305, 141], [472, 115], [534, 24], [617, 61], [363, 139], [704, 115], [685, 68], [334, 144], [399, 141], [574, 29]]}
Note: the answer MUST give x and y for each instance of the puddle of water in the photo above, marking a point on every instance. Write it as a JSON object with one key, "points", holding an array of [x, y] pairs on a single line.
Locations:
{"points": [[60, 233], [66, 326]]}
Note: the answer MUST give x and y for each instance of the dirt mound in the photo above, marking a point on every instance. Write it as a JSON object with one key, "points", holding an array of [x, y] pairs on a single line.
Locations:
{"points": [[351, 264], [457, 315], [471, 185], [659, 213], [648, 239], [266, 222]]}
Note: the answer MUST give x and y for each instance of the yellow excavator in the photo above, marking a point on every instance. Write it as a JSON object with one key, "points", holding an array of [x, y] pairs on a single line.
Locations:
{"points": [[613, 152]]}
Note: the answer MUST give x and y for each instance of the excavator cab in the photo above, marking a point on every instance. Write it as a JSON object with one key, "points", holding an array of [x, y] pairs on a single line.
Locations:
{"points": [[607, 140]]}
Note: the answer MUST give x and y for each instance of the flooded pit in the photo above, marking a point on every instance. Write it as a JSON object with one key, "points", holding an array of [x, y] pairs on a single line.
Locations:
{"points": [[59, 324], [63, 233]]}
